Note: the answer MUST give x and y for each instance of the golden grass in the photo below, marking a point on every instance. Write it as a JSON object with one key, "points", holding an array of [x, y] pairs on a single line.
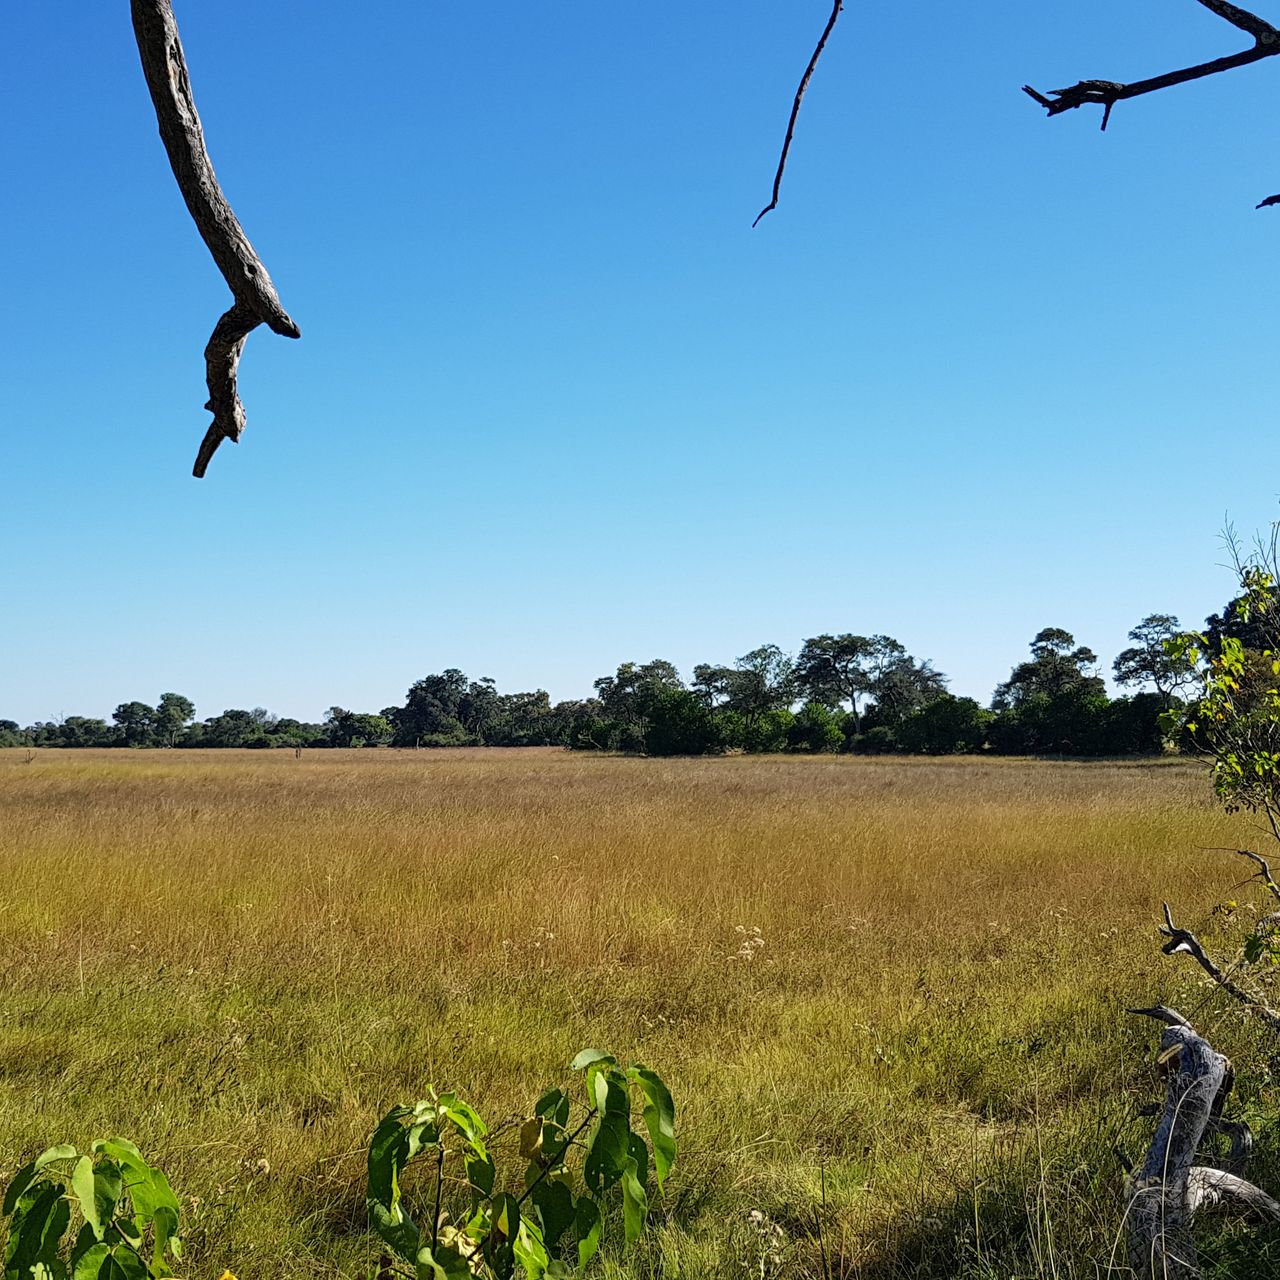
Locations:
{"points": [[234, 957]]}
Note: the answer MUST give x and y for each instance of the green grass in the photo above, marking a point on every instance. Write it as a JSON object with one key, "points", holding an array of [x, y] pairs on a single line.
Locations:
{"points": [[237, 958]]}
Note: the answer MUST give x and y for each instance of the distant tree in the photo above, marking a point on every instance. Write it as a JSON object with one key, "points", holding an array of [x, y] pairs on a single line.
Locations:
{"points": [[74, 731], [679, 723], [626, 697], [848, 668], [431, 715], [900, 685], [479, 707], [354, 729], [172, 715], [137, 723], [1053, 705], [1057, 667], [526, 720], [761, 682], [12, 734], [833, 670], [233, 728], [1134, 726], [945, 726], [1152, 661]]}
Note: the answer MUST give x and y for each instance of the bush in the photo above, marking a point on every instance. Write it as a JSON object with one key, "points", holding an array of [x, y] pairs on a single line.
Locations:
{"points": [[816, 728]]}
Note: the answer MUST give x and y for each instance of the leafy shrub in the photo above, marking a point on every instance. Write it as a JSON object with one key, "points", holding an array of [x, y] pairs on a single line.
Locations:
{"points": [[126, 1211], [571, 1169]]}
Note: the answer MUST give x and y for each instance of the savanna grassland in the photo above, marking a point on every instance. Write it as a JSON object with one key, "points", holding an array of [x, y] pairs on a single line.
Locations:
{"points": [[241, 959]]}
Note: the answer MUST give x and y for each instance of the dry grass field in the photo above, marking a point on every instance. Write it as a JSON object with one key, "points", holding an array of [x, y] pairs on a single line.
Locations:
{"points": [[240, 959]]}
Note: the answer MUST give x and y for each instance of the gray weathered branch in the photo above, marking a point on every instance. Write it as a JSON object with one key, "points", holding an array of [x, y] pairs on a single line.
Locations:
{"points": [[1164, 1196], [256, 301], [1185, 942]]}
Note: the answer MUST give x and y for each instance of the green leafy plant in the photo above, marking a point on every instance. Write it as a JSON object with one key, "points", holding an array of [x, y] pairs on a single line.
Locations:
{"points": [[122, 1211], [576, 1159]]}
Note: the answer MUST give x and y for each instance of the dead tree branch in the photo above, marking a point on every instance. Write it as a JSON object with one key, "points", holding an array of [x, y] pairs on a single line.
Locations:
{"points": [[1165, 1195], [1264, 871], [795, 107], [1106, 93], [256, 302], [1185, 942]]}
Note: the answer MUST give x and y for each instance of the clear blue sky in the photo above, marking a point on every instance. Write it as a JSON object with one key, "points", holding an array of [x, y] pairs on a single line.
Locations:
{"points": [[557, 406]]}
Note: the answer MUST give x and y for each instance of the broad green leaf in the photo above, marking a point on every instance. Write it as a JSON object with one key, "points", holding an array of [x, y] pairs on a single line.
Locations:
{"points": [[82, 1185], [396, 1229], [467, 1119], [128, 1265], [588, 1056], [608, 1142], [586, 1226], [40, 1218], [25, 1176], [63, 1151], [387, 1154], [481, 1173], [165, 1228], [92, 1264], [554, 1203], [550, 1104], [635, 1204], [659, 1119], [531, 1252], [444, 1262], [21, 1183], [499, 1247]]}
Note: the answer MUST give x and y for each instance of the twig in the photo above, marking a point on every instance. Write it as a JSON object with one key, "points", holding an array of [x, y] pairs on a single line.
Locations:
{"points": [[795, 107], [435, 1220], [256, 302]]}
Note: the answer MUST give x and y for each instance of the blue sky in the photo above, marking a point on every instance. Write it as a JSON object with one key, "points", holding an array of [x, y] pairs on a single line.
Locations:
{"points": [[557, 405]]}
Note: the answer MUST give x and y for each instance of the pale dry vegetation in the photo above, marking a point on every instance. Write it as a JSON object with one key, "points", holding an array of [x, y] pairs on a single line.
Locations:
{"points": [[240, 959]]}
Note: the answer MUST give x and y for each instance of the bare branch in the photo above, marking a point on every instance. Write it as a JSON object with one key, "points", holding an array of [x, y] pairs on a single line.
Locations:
{"points": [[256, 302], [795, 107], [1264, 872], [1185, 942], [1106, 93], [1241, 18]]}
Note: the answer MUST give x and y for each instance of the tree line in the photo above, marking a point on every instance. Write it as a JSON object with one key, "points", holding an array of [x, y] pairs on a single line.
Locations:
{"points": [[839, 693]]}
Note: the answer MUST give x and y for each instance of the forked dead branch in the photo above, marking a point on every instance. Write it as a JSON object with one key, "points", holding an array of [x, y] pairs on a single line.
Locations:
{"points": [[255, 299]]}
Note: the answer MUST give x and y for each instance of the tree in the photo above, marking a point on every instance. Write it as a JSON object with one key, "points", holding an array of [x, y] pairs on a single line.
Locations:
{"points": [[679, 723], [945, 726], [833, 669], [356, 729], [1052, 705], [1152, 660], [137, 723], [431, 715], [173, 714], [1057, 667]]}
